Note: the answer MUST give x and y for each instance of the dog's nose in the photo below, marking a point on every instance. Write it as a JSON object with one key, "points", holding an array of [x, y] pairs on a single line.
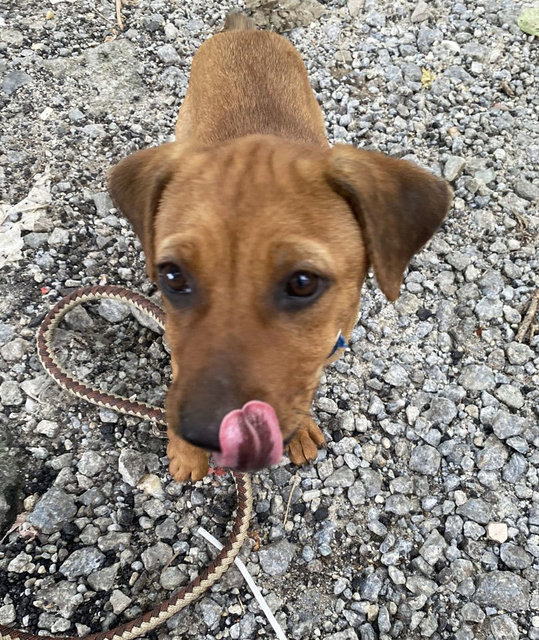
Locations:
{"points": [[201, 430]]}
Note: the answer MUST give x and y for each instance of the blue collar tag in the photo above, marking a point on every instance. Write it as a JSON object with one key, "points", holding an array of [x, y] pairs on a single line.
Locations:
{"points": [[339, 344]]}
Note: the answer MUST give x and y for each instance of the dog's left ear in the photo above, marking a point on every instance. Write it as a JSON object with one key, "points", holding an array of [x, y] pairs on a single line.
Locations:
{"points": [[398, 206], [136, 185]]}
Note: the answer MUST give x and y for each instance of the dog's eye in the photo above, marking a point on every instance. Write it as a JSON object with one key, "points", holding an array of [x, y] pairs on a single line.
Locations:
{"points": [[302, 284], [173, 278]]}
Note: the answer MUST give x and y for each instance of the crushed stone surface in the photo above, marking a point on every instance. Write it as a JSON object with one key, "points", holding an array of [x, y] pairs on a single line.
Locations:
{"points": [[421, 518]]}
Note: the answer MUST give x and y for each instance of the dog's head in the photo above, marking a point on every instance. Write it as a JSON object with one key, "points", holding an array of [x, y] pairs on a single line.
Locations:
{"points": [[260, 247]]}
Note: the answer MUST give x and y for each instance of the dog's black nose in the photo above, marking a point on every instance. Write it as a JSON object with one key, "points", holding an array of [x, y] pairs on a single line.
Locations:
{"points": [[201, 428]]}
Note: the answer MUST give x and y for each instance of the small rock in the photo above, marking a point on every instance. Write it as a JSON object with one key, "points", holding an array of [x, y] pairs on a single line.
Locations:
{"points": [[497, 531], [54, 510], [509, 395], [493, 455], [442, 412], [503, 628], [421, 12], [515, 468], [113, 311], [518, 353], [104, 579], [7, 614], [472, 613], [425, 460], [157, 556], [515, 557], [476, 377], [168, 54], [91, 463], [10, 394], [15, 80], [276, 557], [21, 563], [370, 587], [103, 204], [507, 425], [211, 612], [526, 190], [13, 351], [396, 376], [59, 237], [503, 590], [453, 167], [48, 428], [171, 578], [355, 7], [433, 548], [327, 405], [131, 466], [82, 562], [398, 504], [476, 509], [343, 477], [79, 319], [119, 601]]}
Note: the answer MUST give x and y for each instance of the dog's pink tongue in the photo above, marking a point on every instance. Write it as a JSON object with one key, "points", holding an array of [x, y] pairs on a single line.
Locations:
{"points": [[250, 438]]}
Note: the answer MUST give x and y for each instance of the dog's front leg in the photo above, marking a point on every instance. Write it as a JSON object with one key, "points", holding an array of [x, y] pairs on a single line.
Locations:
{"points": [[304, 445], [186, 461]]}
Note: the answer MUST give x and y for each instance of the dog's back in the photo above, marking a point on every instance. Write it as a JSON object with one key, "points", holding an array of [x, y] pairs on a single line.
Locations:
{"points": [[244, 81]]}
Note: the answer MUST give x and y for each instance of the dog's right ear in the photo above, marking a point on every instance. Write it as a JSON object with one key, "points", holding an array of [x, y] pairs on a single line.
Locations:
{"points": [[136, 185]]}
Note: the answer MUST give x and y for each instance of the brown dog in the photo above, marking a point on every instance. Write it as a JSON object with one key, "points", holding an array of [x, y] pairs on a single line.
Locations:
{"points": [[260, 237]]}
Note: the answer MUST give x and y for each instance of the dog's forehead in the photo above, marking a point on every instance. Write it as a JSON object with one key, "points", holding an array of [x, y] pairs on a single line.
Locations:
{"points": [[254, 165]]}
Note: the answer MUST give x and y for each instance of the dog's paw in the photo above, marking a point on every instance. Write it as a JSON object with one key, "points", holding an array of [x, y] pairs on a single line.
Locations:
{"points": [[304, 445], [186, 462]]}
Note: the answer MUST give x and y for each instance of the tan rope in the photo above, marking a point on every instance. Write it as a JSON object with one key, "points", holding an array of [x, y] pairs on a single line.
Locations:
{"points": [[188, 594]]}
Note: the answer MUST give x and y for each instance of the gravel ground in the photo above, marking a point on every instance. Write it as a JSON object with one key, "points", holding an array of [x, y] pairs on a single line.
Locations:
{"points": [[421, 519]]}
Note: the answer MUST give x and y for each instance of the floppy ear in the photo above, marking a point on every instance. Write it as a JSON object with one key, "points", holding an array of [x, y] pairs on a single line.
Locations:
{"points": [[136, 185], [398, 206]]}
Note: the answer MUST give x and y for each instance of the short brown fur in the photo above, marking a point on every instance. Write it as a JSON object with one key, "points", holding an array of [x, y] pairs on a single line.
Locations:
{"points": [[249, 193]]}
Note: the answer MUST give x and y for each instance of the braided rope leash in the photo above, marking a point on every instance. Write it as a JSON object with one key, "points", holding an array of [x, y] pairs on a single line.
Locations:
{"points": [[213, 572]]}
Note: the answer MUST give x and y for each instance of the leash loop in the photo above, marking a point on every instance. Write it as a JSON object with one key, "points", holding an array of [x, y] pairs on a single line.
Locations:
{"points": [[217, 568]]}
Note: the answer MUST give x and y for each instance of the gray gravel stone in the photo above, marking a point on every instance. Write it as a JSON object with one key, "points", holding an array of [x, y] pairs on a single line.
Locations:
{"points": [[131, 466], [156, 556], [476, 509], [503, 590], [453, 167], [515, 469], [343, 477], [425, 460], [7, 614], [104, 579], [518, 353], [396, 376], [503, 628], [53, 511], [433, 547], [526, 190], [211, 612], [10, 394], [82, 562], [113, 311], [168, 54], [276, 557], [91, 463], [79, 319], [119, 601], [15, 80], [477, 378], [509, 395], [515, 557], [507, 425]]}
